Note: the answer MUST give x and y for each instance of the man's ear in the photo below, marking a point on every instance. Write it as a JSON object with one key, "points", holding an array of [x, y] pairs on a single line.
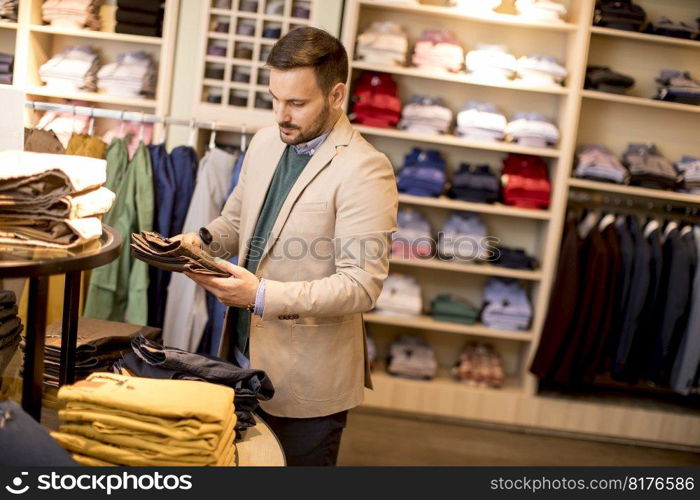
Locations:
{"points": [[337, 95]]}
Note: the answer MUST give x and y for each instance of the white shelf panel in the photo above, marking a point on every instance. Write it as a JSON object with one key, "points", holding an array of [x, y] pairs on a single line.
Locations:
{"points": [[484, 208], [451, 140], [429, 324], [644, 37], [468, 268], [456, 77], [92, 97], [8, 25], [656, 194], [640, 101], [97, 35]]}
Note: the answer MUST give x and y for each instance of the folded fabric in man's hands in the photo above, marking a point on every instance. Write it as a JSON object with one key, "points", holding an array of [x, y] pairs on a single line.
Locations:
{"points": [[169, 255]]}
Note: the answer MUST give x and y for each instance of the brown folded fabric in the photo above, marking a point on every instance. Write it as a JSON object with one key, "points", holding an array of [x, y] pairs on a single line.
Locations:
{"points": [[42, 141], [37, 189]]}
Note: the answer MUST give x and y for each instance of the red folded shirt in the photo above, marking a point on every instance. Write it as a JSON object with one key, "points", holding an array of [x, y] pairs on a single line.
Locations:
{"points": [[375, 101], [525, 181]]}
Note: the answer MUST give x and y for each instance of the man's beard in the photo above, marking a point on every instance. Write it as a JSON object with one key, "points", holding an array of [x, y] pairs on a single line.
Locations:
{"points": [[320, 125]]}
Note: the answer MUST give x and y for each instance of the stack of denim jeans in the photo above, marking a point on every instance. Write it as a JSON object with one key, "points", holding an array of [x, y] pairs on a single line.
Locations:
{"points": [[479, 365], [383, 43], [423, 173], [506, 305], [7, 63], [597, 163], [400, 295], [411, 357], [426, 116], [678, 86], [463, 238], [413, 238], [10, 328], [75, 68]]}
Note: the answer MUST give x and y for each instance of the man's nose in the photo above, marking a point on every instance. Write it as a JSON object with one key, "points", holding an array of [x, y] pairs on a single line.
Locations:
{"points": [[282, 113]]}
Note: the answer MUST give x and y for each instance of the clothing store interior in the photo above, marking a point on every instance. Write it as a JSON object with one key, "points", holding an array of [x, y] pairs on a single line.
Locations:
{"points": [[527, 170]]}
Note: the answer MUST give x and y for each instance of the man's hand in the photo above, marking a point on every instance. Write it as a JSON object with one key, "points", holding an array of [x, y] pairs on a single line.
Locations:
{"points": [[189, 239], [238, 290]]}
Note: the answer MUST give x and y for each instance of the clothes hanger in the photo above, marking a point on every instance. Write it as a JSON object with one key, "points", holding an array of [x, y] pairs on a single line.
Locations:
{"points": [[606, 219], [91, 123], [193, 130], [588, 222], [212, 137]]}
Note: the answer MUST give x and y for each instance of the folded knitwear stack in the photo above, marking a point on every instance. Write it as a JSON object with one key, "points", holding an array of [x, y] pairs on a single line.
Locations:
{"points": [[132, 75], [411, 357], [51, 201], [532, 129], [73, 14], [540, 70], [426, 115], [73, 69], [648, 168], [689, 168], [10, 328], [506, 306], [541, 10], [479, 365], [606, 80], [678, 86], [491, 63], [525, 181], [666, 27], [597, 163], [463, 238], [140, 17], [400, 295], [422, 173], [175, 256], [438, 50], [7, 63], [383, 43], [475, 183], [375, 100], [453, 309], [112, 419], [619, 14], [481, 121], [514, 258], [413, 238], [8, 10]]}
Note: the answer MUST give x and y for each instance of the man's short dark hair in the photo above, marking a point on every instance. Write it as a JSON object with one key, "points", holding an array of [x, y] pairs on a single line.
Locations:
{"points": [[312, 48]]}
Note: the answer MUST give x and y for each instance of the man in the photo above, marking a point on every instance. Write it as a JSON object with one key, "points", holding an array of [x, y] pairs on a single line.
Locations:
{"points": [[311, 221]]}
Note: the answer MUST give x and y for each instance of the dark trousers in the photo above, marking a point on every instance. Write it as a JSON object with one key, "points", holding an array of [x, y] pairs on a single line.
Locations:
{"points": [[308, 441]]}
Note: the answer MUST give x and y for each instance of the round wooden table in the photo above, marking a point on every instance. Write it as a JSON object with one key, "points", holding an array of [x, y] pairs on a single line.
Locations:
{"points": [[260, 447]]}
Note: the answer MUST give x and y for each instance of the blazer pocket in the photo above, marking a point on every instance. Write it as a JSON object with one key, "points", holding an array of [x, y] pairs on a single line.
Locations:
{"points": [[312, 206]]}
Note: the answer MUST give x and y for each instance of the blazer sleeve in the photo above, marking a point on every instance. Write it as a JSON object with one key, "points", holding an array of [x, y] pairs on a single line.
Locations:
{"points": [[366, 206]]}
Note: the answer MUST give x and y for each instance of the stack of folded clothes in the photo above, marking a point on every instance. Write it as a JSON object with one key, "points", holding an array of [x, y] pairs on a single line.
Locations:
{"points": [[453, 309], [10, 328], [541, 10], [411, 357], [597, 163], [540, 70], [176, 256], [140, 17], [152, 360], [8, 10], [423, 173], [375, 101], [75, 14], [475, 183], [648, 168], [475, 6], [75, 68], [666, 27], [606, 80], [383, 43], [51, 201], [400, 295], [132, 75], [491, 63], [514, 258], [463, 238], [112, 419], [619, 14], [689, 167], [678, 86], [413, 238], [506, 306], [481, 121], [479, 365], [7, 62], [525, 181], [438, 50], [532, 129], [426, 115]]}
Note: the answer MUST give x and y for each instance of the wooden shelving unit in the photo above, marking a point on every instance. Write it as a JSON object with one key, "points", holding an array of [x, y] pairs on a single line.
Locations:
{"points": [[484, 208], [644, 37], [640, 101], [461, 267], [641, 192]]}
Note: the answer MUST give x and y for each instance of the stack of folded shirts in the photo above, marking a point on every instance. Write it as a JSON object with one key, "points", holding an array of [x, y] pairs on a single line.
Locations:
{"points": [[411, 357], [479, 365], [666, 27], [75, 68], [532, 129], [7, 62], [619, 14], [514, 258], [525, 181], [375, 100], [453, 309], [112, 419], [133, 75], [140, 17], [689, 167], [541, 10], [438, 50], [176, 256], [648, 168], [463, 238], [597, 163], [400, 295], [606, 80], [152, 360], [51, 201], [10, 328], [506, 306], [413, 238], [481, 121], [491, 63], [75, 14], [383, 43], [423, 173], [540, 70], [678, 86], [475, 183], [8, 10], [426, 115]]}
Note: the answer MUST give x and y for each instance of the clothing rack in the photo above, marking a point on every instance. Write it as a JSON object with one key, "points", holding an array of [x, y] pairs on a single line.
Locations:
{"points": [[634, 205]]}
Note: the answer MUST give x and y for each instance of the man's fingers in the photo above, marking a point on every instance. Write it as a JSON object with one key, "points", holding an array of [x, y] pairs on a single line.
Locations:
{"points": [[227, 267]]}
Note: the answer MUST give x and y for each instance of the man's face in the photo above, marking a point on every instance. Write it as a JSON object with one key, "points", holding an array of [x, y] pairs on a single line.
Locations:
{"points": [[301, 109]]}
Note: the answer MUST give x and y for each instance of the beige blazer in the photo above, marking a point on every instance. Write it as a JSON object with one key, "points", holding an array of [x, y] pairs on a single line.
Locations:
{"points": [[324, 265]]}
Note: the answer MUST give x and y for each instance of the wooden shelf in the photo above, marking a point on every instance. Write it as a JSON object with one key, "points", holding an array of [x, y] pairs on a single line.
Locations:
{"points": [[8, 25], [484, 208], [451, 140], [92, 97], [457, 78], [644, 37], [97, 35], [443, 381], [429, 324], [468, 268], [639, 101], [455, 13], [656, 194]]}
